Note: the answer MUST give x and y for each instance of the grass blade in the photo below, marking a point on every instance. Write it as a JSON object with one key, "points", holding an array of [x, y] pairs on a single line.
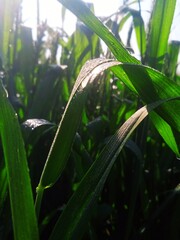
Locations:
{"points": [[160, 25], [139, 30], [21, 199], [160, 82], [74, 218], [61, 146], [3, 185], [166, 132], [173, 52], [152, 85]]}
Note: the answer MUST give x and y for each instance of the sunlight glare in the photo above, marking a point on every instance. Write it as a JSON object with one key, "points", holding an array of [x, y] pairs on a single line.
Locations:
{"points": [[50, 11]]}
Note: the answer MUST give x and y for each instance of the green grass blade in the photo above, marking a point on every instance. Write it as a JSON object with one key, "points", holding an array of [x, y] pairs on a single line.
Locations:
{"points": [[74, 218], [61, 146], [173, 52], [85, 15], [165, 131], [3, 185], [21, 198], [139, 30], [160, 25], [152, 85]]}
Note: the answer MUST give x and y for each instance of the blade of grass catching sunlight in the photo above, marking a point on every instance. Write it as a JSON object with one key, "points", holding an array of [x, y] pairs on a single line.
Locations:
{"points": [[121, 54], [153, 85], [61, 146], [160, 25]]}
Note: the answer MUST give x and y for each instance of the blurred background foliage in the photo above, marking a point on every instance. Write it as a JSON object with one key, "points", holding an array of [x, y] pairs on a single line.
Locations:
{"points": [[140, 199]]}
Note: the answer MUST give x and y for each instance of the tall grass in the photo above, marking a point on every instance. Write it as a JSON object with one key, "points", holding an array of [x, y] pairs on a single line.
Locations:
{"points": [[90, 147]]}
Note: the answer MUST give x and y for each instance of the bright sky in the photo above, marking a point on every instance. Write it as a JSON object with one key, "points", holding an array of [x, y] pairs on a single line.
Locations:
{"points": [[50, 10]]}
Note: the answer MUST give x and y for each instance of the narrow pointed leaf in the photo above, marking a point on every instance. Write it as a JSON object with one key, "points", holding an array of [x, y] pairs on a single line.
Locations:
{"points": [[165, 131], [160, 25], [21, 198], [139, 30], [173, 53]]}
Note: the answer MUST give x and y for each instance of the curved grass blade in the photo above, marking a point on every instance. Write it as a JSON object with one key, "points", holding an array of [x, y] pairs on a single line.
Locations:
{"points": [[21, 198], [152, 85], [61, 146], [74, 218]]}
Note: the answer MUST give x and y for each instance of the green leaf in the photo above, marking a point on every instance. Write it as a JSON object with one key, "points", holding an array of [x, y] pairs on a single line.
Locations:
{"points": [[21, 198], [3, 185], [160, 25], [152, 85], [61, 146], [165, 131], [139, 30], [172, 59], [73, 220]]}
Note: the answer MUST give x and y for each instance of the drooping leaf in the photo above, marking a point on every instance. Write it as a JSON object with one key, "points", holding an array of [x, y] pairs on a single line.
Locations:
{"points": [[74, 218], [61, 146], [152, 85]]}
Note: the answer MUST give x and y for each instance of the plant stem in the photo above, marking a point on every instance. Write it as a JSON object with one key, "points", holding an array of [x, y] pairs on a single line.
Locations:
{"points": [[38, 200]]}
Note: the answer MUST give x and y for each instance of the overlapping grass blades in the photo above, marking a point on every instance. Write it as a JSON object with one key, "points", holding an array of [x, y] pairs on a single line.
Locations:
{"points": [[83, 13], [153, 85], [86, 16], [74, 218], [61, 146], [21, 199], [147, 85], [159, 29]]}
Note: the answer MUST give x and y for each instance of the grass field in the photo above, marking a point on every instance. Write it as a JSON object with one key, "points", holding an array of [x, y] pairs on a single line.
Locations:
{"points": [[90, 147]]}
